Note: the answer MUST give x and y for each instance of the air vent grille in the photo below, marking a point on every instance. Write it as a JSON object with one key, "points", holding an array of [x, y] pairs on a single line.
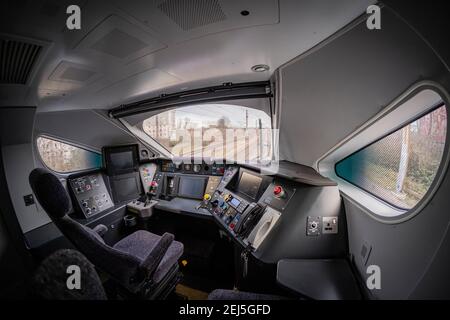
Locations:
{"points": [[17, 60], [190, 14]]}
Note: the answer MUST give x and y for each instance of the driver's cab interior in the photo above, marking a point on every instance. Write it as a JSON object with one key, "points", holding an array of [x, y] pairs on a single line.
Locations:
{"points": [[223, 150]]}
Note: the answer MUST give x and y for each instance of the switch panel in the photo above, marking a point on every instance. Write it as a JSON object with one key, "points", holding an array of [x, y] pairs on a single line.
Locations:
{"points": [[91, 194], [313, 226], [329, 225]]}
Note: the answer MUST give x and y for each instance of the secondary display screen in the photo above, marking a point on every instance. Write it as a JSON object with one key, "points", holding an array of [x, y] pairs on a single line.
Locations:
{"points": [[191, 187], [122, 160], [235, 202], [249, 185], [125, 188]]}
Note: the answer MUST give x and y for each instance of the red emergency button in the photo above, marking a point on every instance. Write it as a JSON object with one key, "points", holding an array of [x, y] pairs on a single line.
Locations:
{"points": [[278, 192]]}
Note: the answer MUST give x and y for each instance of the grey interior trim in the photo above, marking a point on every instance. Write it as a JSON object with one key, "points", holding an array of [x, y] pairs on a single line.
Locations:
{"points": [[362, 18], [421, 37], [160, 150], [120, 125], [227, 91]]}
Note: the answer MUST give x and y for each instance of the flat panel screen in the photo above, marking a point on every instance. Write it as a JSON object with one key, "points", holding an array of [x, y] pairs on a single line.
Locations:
{"points": [[249, 185], [122, 160], [125, 188], [191, 187]]}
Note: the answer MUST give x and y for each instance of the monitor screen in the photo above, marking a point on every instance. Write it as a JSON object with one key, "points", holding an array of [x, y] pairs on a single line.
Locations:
{"points": [[121, 159], [191, 187], [249, 185], [125, 188]]}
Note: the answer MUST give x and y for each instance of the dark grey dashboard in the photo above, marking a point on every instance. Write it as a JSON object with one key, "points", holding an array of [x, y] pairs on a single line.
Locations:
{"points": [[294, 213]]}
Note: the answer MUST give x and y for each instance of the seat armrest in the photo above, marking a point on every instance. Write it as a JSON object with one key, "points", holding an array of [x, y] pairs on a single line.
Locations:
{"points": [[101, 230], [149, 265]]}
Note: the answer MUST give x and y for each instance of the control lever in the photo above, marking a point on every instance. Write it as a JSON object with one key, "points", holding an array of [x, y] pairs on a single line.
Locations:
{"points": [[204, 202], [148, 199]]}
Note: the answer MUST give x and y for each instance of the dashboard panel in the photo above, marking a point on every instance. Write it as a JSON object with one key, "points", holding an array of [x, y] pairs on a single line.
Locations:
{"points": [[91, 194], [248, 206], [201, 168], [244, 203]]}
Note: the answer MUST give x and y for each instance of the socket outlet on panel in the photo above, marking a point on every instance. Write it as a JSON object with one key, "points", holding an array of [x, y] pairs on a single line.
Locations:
{"points": [[329, 225]]}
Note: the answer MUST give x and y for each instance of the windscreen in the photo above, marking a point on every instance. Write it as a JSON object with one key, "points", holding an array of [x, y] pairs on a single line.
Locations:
{"points": [[217, 131]]}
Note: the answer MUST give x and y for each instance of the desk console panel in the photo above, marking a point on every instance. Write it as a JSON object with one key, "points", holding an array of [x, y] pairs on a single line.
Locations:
{"points": [[91, 194]]}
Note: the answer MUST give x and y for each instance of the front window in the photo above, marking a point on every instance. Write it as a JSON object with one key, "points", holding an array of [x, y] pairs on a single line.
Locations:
{"points": [[218, 131]]}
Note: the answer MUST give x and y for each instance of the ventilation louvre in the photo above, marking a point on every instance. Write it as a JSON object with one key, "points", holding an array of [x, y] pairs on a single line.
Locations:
{"points": [[17, 59], [190, 14]]}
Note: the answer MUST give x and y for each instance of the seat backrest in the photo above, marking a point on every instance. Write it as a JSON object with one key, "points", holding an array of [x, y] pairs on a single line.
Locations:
{"points": [[55, 200]]}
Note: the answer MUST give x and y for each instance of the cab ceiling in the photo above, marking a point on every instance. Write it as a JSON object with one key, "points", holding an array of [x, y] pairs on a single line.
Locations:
{"points": [[129, 50]]}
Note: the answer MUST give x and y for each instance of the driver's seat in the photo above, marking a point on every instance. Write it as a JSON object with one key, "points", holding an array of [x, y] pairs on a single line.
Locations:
{"points": [[143, 263]]}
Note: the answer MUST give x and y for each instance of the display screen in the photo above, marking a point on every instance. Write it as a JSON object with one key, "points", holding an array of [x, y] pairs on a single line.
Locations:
{"points": [[125, 188], [249, 185], [191, 187], [122, 160], [235, 202]]}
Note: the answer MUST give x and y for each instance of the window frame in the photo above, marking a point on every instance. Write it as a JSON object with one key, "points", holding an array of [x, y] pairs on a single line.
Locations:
{"points": [[401, 126], [67, 173], [373, 207]]}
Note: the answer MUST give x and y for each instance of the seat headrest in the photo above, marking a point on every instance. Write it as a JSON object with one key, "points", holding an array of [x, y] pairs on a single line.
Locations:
{"points": [[50, 193], [50, 281]]}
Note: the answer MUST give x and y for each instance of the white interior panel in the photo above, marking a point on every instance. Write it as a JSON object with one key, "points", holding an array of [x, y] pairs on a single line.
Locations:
{"points": [[227, 13], [206, 53], [119, 39], [29, 217]]}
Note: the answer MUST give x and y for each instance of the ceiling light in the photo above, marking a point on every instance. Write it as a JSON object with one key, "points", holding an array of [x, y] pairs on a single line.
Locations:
{"points": [[260, 68]]}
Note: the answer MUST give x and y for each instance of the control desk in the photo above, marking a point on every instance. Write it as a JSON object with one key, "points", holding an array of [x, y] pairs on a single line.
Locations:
{"points": [[248, 205], [180, 187]]}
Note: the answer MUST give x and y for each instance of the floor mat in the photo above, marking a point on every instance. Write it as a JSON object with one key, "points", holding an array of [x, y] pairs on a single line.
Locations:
{"points": [[190, 293]]}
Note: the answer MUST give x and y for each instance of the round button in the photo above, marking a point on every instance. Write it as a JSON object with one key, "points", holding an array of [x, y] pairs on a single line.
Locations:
{"points": [[278, 191]]}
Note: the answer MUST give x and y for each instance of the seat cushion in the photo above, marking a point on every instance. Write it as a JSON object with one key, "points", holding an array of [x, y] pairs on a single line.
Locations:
{"points": [[140, 243], [222, 294]]}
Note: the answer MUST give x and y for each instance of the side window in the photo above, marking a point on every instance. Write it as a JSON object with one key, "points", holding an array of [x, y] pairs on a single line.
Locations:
{"points": [[400, 167], [64, 158]]}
